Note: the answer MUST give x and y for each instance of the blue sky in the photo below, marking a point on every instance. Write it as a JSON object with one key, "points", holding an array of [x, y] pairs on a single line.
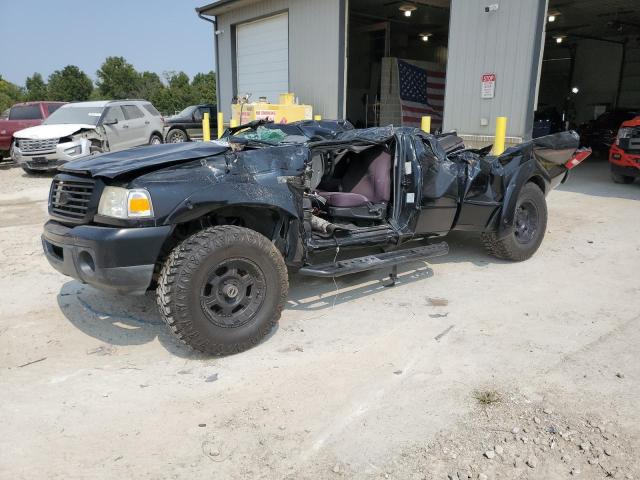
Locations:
{"points": [[155, 35]]}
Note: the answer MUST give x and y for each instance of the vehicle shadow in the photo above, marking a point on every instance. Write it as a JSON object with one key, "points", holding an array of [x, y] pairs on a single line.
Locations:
{"points": [[134, 320], [118, 319]]}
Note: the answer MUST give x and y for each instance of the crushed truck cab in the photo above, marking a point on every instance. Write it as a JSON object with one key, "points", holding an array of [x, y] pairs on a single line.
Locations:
{"points": [[215, 227]]}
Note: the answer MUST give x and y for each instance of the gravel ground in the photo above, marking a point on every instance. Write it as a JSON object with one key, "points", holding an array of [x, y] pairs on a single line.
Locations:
{"points": [[470, 367]]}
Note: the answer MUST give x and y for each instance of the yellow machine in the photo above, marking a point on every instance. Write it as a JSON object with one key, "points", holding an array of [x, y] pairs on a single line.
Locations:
{"points": [[284, 112]]}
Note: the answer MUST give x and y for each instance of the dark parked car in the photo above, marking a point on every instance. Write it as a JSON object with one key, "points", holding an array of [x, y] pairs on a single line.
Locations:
{"points": [[546, 122], [214, 227], [600, 133], [187, 125]]}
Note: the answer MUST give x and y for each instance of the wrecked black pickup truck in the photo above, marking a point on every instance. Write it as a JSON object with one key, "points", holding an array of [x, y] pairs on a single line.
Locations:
{"points": [[215, 227]]}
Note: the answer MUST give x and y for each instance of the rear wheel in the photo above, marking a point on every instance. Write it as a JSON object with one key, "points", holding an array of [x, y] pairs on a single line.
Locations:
{"points": [[177, 136], [223, 289], [617, 178], [528, 231]]}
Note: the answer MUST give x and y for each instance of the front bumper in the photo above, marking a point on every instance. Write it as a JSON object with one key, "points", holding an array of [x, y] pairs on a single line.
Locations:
{"points": [[50, 160], [622, 160], [119, 260]]}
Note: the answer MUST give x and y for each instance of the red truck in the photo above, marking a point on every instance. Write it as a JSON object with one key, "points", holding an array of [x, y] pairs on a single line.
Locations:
{"points": [[23, 115], [624, 155]]}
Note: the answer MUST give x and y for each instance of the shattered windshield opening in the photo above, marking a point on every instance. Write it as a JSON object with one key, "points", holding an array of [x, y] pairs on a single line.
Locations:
{"points": [[83, 115], [272, 136]]}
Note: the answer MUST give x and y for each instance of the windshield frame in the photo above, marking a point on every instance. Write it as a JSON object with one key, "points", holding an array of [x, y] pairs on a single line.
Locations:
{"points": [[87, 109]]}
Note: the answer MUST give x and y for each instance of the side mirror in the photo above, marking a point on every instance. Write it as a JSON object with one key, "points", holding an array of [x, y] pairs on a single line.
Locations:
{"points": [[111, 122]]}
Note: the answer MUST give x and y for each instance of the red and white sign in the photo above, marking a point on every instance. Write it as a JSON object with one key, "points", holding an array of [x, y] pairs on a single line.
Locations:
{"points": [[488, 85]]}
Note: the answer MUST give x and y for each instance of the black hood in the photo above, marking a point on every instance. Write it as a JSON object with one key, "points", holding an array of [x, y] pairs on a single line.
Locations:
{"points": [[112, 165]]}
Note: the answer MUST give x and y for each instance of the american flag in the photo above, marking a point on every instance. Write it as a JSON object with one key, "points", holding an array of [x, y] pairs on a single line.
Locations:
{"points": [[421, 93]]}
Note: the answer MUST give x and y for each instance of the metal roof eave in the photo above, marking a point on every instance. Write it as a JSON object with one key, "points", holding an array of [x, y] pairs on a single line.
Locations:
{"points": [[223, 6]]}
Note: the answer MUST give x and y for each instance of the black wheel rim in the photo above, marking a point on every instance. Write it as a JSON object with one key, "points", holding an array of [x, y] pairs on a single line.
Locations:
{"points": [[526, 225], [233, 292]]}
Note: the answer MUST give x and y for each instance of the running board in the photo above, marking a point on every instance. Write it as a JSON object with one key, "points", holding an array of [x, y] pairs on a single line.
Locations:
{"points": [[372, 262]]}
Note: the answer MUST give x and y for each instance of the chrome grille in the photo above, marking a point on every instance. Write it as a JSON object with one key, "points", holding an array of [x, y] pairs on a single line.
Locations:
{"points": [[70, 199], [40, 146]]}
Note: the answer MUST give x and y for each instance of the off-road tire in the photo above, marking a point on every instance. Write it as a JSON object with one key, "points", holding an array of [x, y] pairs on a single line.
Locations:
{"points": [[185, 273], [625, 179], [176, 132], [509, 248]]}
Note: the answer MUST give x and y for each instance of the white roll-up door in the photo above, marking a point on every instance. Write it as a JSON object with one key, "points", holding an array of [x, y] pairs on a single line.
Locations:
{"points": [[262, 57]]}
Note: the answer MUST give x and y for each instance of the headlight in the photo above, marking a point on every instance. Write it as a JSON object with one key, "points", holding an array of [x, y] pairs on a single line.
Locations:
{"points": [[77, 150], [119, 202], [624, 132]]}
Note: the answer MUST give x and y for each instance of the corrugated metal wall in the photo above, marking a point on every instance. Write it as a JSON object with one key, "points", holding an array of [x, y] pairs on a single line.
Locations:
{"points": [[314, 49], [506, 42]]}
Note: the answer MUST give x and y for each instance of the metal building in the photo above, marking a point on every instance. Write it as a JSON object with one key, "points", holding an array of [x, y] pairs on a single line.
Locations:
{"points": [[463, 62]]}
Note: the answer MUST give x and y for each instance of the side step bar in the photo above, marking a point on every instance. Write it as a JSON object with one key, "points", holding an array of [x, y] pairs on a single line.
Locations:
{"points": [[371, 262]]}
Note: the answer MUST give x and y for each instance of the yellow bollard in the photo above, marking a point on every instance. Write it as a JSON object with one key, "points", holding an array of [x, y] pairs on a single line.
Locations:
{"points": [[233, 123], [206, 128], [501, 134], [220, 124], [425, 125], [317, 118]]}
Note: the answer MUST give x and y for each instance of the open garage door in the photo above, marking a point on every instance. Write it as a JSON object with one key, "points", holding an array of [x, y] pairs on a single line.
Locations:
{"points": [[262, 58], [397, 61], [591, 69]]}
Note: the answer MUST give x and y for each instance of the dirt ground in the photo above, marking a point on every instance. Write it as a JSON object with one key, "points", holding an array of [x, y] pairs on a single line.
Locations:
{"points": [[469, 368]]}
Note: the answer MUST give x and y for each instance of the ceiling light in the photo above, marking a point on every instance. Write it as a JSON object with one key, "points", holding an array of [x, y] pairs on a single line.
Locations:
{"points": [[407, 8], [552, 18], [425, 36], [575, 90], [559, 38]]}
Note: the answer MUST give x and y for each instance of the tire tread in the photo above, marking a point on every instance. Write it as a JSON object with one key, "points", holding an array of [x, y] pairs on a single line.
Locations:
{"points": [[173, 288]]}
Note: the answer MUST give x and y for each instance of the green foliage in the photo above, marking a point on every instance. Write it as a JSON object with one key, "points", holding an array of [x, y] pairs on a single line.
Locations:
{"points": [[36, 89], [9, 94], [150, 87], [180, 92], [69, 84], [204, 86], [118, 79]]}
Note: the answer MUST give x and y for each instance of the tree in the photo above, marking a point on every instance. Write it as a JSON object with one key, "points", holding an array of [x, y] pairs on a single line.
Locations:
{"points": [[204, 87], [36, 88], [178, 94], [118, 79], [9, 94], [69, 84], [150, 87]]}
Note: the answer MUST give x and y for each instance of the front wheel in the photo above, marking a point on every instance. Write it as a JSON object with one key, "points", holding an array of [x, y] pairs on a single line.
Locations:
{"points": [[155, 139], [528, 231], [12, 151], [223, 289]]}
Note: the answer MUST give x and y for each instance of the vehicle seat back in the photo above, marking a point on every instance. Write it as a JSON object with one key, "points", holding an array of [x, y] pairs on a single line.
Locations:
{"points": [[370, 176]]}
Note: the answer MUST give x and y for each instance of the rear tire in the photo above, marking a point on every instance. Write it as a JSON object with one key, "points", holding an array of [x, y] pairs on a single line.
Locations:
{"points": [[617, 178], [177, 136], [222, 290], [528, 230]]}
